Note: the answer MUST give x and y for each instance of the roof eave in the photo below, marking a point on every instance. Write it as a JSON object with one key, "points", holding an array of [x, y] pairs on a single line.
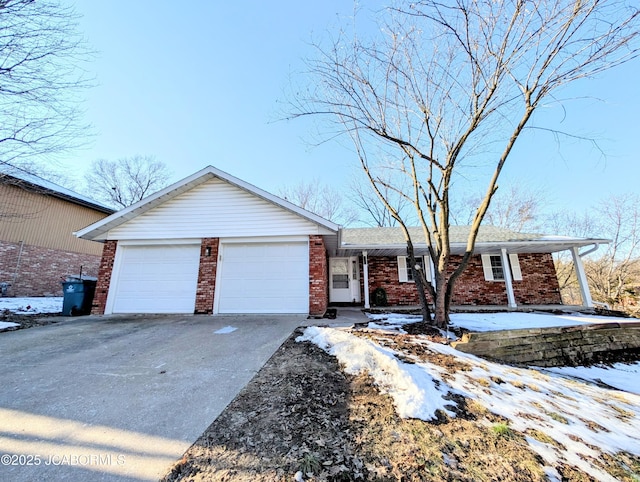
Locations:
{"points": [[532, 246]]}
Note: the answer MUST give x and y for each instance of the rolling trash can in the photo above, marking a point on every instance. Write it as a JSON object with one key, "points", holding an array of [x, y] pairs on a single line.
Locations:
{"points": [[77, 296]]}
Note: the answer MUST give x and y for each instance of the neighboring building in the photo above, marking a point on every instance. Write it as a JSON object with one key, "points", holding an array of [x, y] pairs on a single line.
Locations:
{"points": [[213, 243], [37, 246]]}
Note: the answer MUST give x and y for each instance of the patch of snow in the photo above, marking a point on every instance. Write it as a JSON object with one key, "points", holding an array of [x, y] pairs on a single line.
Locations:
{"points": [[225, 330], [554, 405], [582, 318], [384, 326], [7, 324], [32, 306], [395, 321], [414, 391], [496, 321], [394, 318], [623, 376], [511, 321]]}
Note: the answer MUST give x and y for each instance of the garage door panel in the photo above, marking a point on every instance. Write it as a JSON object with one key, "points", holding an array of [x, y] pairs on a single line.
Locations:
{"points": [[156, 279], [264, 278]]}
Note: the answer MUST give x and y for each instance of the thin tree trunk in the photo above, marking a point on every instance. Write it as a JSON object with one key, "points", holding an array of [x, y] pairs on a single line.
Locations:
{"points": [[420, 280], [441, 312]]}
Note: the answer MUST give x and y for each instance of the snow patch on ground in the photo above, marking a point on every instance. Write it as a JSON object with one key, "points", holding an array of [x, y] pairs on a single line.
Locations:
{"points": [[414, 391], [623, 376], [32, 306]]}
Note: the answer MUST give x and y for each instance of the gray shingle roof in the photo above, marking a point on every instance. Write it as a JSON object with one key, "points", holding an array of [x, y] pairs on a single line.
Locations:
{"points": [[458, 234], [490, 239]]}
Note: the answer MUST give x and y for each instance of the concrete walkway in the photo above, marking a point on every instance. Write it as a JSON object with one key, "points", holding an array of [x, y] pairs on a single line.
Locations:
{"points": [[120, 398]]}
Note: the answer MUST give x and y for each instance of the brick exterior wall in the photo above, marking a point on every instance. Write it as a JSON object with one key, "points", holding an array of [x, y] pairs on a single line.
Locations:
{"points": [[539, 283], [318, 276], [104, 277], [207, 276], [37, 271]]}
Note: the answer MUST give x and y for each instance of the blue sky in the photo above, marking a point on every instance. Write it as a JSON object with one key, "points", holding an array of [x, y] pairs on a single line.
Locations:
{"points": [[201, 82]]}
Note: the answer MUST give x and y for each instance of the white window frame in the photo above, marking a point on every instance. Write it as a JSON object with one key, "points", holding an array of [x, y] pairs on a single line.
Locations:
{"points": [[404, 269], [514, 264]]}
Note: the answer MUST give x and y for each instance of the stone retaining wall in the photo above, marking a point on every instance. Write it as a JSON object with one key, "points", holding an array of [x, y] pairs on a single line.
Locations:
{"points": [[561, 346]]}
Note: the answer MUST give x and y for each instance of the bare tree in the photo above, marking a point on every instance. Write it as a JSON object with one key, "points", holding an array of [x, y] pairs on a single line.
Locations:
{"points": [[616, 272], [374, 212], [613, 271], [516, 208], [126, 181], [443, 83], [321, 199], [41, 55]]}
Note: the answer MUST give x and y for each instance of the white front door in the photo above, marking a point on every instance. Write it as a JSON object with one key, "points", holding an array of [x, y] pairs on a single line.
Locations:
{"points": [[344, 280]]}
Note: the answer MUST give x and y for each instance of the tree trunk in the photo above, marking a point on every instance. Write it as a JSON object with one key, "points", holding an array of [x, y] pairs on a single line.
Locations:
{"points": [[441, 306], [420, 280]]}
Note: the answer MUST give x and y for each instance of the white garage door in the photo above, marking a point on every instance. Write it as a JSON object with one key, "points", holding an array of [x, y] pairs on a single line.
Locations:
{"points": [[156, 279], [264, 278]]}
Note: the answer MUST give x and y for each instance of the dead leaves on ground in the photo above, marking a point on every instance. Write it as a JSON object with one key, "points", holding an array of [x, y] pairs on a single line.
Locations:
{"points": [[301, 416]]}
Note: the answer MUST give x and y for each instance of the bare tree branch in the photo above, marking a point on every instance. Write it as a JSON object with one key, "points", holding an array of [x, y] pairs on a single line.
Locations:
{"points": [[321, 199], [41, 78], [126, 181]]}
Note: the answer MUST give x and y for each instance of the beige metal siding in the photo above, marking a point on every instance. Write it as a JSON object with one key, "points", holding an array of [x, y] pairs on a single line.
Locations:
{"points": [[41, 220], [214, 209]]}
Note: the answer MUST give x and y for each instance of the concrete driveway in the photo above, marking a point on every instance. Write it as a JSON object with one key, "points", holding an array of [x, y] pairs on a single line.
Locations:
{"points": [[122, 397]]}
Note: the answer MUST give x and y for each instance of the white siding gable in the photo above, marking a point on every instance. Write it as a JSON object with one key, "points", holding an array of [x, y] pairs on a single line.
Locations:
{"points": [[215, 209]]}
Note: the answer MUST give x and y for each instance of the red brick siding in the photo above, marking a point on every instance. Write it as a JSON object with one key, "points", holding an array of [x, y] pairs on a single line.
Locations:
{"points": [[104, 277], [383, 273], [37, 271], [538, 286], [318, 276], [472, 289], [207, 276]]}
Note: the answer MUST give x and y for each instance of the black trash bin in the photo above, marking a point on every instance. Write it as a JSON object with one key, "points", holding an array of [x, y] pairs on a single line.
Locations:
{"points": [[77, 296]]}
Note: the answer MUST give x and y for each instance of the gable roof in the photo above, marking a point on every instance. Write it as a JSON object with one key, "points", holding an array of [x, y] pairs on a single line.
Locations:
{"points": [[15, 176], [390, 241], [98, 230]]}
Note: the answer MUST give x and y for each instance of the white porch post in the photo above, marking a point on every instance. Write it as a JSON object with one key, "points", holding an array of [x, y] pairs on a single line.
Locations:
{"points": [[582, 278], [365, 272], [506, 268]]}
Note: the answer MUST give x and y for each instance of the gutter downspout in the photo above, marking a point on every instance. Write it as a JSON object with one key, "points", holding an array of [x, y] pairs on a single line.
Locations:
{"points": [[581, 275]]}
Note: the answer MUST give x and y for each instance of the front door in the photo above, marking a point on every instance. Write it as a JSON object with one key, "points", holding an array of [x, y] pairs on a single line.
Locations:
{"points": [[344, 282]]}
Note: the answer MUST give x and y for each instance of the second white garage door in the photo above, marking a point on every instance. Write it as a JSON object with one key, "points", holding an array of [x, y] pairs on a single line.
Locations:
{"points": [[155, 279], [263, 278]]}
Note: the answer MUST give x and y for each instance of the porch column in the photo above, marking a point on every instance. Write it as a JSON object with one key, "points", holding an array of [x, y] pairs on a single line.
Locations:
{"points": [[365, 272], [582, 278], [506, 268]]}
